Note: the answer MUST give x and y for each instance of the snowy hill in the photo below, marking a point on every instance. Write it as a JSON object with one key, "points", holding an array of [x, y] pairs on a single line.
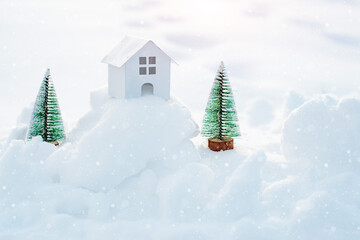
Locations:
{"points": [[129, 170], [119, 139]]}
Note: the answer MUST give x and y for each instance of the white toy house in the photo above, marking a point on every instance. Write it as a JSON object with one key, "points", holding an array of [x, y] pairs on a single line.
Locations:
{"points": [[138, 67]]}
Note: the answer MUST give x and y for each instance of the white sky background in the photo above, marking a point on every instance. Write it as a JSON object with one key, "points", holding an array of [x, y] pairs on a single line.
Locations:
{"points": [[269, 48]]}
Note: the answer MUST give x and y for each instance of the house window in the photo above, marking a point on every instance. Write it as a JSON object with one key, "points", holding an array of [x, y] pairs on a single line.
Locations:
{"points": [[142, 70], [142, 60], [152, 70], [152, 60]]}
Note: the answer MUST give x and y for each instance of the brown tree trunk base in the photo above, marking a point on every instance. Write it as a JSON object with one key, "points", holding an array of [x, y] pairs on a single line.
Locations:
{"points": [[218, 145], [56, 143]]}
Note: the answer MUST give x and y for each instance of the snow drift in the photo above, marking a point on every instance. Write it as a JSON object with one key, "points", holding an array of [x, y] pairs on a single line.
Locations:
{"points": [[321, 141], [110, 167], [324, 134], [130, 171], [125, 137]]}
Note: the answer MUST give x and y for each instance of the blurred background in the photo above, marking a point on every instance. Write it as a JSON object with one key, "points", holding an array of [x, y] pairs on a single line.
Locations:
{"points": [[271, 49]]}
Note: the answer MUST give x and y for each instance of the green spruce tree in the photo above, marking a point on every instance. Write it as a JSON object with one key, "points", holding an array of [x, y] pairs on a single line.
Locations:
{"points": [[220, 120], [46, 117]]}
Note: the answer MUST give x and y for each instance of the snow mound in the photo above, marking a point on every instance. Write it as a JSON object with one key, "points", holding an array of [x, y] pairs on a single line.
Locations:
{"points": [[240, 195], [125, 137], [130, 171], [321, 144], [22, 163], [324, 134], [113, 169]]}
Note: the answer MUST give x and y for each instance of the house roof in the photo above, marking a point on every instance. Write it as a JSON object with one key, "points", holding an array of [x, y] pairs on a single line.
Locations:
{"points": [[127, 48]]}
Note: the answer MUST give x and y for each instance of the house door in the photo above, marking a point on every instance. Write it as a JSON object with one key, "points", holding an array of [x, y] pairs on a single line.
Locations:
{"points": [[147, 89]]}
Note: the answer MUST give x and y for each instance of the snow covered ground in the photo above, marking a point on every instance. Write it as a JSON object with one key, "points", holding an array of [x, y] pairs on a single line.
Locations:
{"points": [[137, 169], [129, 170]]}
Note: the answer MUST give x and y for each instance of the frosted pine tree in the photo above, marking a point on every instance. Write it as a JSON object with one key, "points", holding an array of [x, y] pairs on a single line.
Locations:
{"points": [[220, 120], [46, 117]]}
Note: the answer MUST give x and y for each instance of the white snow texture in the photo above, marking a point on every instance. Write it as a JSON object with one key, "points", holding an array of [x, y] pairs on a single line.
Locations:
{"points": [[130, 171]]}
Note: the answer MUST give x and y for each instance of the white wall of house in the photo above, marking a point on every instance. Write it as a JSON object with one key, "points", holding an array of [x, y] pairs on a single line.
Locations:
{"points": [[116, 81]]}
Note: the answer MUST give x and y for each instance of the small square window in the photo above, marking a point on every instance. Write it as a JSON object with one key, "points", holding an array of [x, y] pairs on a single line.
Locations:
{"points": [[142, 71], [152, 60], [142, 60], [152, 70]]}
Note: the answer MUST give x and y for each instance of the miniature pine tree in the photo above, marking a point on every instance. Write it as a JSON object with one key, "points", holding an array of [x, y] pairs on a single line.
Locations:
{"points": [[220, 121], [46, 117]]}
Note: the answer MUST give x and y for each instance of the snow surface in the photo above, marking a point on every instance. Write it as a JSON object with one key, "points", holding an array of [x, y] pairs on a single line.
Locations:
{"points": [[322, 135], [130, 170]]}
